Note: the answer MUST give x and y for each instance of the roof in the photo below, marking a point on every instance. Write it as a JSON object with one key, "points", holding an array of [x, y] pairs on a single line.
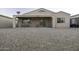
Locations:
{"points": [[6, 16], [63, 12], [74, 16], [40, 9], [41, 12]]}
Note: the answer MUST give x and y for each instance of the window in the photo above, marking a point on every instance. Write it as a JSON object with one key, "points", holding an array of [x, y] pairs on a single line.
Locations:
{"points": [[60, 20]]}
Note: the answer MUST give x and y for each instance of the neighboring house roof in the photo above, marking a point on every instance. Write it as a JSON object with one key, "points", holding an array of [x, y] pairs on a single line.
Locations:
{"points": [[6, 17], [74, 16]]}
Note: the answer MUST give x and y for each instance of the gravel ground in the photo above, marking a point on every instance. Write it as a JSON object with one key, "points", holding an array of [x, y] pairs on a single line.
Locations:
{"points": [[39, 39]]}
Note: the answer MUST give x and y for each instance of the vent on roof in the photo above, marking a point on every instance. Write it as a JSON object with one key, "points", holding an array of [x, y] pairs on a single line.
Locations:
{"points": [[18, 12]]}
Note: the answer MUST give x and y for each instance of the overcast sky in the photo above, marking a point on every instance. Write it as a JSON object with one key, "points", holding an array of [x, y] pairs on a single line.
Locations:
{"points": [[9, 7], [12, 11]]}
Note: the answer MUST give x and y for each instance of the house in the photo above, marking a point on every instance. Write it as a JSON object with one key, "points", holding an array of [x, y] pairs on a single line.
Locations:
{"points": [[5, 21], [74, 21], [42, 18]]}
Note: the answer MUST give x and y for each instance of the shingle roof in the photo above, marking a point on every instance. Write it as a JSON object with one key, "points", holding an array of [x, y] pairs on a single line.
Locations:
{"points": [[40, 9], [63, 12]]}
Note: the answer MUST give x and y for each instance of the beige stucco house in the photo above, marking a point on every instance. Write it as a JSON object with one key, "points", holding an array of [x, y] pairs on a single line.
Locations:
{"points": [[5, 21], [42, 18]]}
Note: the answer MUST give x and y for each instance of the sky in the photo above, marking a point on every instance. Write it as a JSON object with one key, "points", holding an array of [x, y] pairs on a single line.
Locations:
{"points": [[9, 7], [12, 11]]}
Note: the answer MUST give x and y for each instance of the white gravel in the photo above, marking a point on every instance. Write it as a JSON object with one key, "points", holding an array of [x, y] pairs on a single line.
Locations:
{"points": [[39, 39]]}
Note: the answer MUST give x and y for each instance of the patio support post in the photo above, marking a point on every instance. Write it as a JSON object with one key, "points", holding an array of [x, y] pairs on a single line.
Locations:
{"points": [[14, 22], [53, 22]]}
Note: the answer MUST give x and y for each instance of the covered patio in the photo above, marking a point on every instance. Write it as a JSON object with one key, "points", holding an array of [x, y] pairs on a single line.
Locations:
{"points": [[34, 22]]}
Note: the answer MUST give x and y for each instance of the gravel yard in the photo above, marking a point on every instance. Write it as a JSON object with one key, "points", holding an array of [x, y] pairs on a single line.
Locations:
{"points": [[39, 39]]}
